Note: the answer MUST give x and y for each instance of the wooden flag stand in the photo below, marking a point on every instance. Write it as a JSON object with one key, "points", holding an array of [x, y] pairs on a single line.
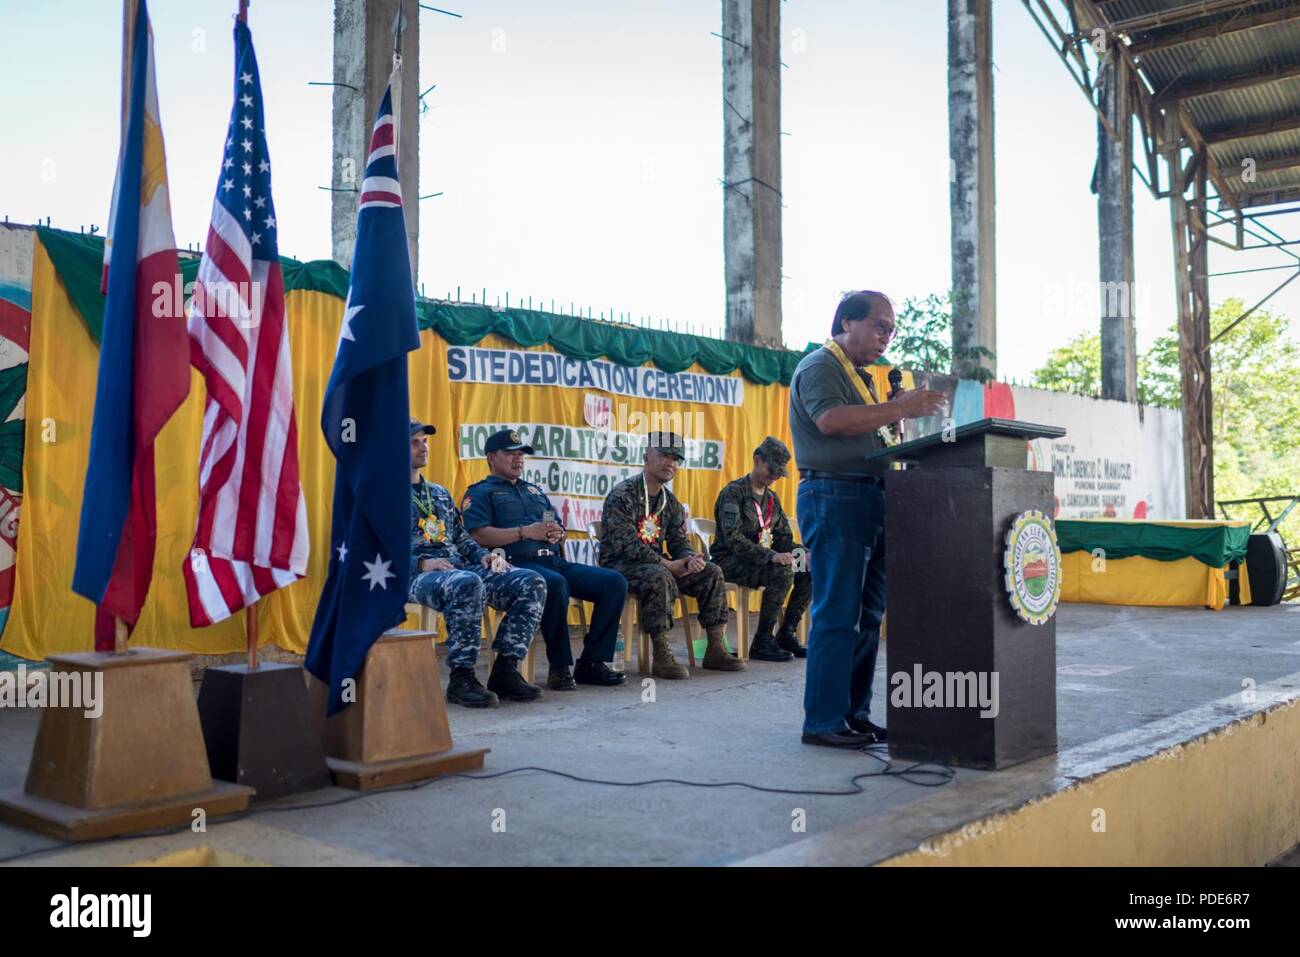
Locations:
{"points": [[258, 727], [396, 731], [138, 764]]}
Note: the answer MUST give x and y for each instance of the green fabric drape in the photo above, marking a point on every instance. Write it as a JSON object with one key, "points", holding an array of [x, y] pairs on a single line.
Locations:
{"points": [[1213, 545], [79, 259]]}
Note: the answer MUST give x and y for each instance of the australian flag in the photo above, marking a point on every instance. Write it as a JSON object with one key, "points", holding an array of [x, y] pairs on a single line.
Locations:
{"points": [[366, 421]]}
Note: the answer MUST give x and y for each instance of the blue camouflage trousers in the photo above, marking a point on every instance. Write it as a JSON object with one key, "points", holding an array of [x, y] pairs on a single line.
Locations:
{"points": [[460, 595]]}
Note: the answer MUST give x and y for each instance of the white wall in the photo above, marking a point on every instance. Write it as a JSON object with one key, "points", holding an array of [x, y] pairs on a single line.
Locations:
{"points": [[1115, 460]]}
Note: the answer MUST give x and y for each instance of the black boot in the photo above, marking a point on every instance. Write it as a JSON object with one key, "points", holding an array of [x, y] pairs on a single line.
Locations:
{"points": [[791, 644], [508, 683], [463, 689], [765, 648]]}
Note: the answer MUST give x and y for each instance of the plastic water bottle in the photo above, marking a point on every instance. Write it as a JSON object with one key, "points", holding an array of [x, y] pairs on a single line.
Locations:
{"points": [[619, 662]]}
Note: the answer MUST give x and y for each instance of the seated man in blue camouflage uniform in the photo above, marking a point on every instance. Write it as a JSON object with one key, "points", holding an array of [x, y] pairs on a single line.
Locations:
{"points": [[453, 574], [504, 511]]}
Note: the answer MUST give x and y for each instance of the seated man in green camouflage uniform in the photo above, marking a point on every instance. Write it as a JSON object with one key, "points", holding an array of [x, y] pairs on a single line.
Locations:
{"points": [[640, 516], [755, 549]]}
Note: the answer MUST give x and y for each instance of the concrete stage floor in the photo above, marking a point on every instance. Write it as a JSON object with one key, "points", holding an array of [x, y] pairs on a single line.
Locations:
{"points": [[1130, 681]]}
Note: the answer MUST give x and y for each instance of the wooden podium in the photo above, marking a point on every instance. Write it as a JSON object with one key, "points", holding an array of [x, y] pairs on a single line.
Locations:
{"points": [[397, 729], [948, 516], [138, 764]]}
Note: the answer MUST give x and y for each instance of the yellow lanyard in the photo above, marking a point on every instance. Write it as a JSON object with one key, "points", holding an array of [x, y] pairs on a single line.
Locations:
{"points": [[858, 378], [850, 370]]}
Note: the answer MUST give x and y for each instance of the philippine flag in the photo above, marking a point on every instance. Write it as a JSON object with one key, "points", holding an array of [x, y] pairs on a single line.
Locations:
{"points": [[144, 373]]}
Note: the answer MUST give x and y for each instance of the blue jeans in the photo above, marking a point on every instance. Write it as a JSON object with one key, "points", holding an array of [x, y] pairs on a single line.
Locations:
{"points": [[843, 527], [605, 588]]}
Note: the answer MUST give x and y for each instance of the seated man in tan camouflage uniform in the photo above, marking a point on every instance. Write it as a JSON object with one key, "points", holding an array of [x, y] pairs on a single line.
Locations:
{"points": [[640, 516], [755, 549]]}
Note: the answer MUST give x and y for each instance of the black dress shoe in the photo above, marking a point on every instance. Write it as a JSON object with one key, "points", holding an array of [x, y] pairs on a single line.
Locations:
{"points": [[560, 680], [878, 733], [791, 644], [765, 648], [597, 673], [839, 739]]}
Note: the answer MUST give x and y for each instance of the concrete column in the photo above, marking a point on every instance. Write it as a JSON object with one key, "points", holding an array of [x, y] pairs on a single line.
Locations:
{"points": [[970, 140], [363, 60], [751, 109], [1114, 188]]}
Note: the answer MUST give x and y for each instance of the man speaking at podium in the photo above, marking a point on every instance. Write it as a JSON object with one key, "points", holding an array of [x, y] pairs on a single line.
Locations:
{"points": [[836, 419]]}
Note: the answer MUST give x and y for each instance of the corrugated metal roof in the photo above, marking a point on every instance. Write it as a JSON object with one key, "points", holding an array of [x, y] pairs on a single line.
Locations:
{"points": [[1273, 47]]}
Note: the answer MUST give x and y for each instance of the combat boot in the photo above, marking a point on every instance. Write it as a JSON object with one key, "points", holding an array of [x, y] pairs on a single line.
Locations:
{"points": [[463, 689], [716, 655], [787, 641], [765, 648], [508, 683], [664, 665]]}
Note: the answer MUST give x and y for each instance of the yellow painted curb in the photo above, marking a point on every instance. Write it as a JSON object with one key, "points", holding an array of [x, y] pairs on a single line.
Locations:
{"points": [[1230, 797]]}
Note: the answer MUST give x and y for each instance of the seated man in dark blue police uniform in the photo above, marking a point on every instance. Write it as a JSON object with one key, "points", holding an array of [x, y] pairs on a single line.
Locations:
{"points": [[503, 511]]}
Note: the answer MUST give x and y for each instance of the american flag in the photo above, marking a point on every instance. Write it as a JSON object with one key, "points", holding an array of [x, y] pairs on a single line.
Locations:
{"points": [[251, 536]]}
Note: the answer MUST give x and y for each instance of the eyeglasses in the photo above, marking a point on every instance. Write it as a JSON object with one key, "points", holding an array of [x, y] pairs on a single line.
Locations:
{"points": [[886, 332]]}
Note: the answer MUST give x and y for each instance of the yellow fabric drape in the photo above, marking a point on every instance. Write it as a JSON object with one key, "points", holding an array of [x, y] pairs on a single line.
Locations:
{"points": [[46, 617], [1145, 581]]}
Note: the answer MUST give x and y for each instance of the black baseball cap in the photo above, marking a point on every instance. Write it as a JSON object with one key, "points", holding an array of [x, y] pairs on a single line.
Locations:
{"points": [[507, 440], [421, 428]]}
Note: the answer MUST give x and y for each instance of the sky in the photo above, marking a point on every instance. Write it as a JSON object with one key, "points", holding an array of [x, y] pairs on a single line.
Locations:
{"points": [[577, 145]]}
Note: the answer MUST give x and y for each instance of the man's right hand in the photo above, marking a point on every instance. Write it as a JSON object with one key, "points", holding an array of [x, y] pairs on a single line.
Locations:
{"points": [[436, 565], [540, 531], [675, 566], [918, 403], [782, 558]]}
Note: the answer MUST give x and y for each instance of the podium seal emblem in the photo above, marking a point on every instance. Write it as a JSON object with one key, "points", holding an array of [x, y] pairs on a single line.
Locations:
{"points": [[1032, 561]]}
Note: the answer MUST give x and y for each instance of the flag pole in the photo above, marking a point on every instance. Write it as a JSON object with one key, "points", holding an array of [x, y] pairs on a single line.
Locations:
{"points": [[129, 10], [119, 636], [242, 16]]}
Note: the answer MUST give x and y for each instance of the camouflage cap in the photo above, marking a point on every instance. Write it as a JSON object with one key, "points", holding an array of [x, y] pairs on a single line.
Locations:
{"points": [[669, 443], [774, 452]]}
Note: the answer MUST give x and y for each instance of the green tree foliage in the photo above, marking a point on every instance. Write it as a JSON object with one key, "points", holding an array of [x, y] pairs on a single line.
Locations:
{"points": [[1255, 369], [924, 339]]}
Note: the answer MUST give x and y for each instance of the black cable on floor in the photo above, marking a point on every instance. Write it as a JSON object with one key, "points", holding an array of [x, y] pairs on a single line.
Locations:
{"points": [[921, 774]]}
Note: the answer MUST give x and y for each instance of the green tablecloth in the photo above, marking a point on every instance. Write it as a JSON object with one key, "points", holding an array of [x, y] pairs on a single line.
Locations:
{"points": [[1214, 543]]}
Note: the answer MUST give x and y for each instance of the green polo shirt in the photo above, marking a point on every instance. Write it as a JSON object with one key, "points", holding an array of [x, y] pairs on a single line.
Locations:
{"points": [[819, 383]]}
